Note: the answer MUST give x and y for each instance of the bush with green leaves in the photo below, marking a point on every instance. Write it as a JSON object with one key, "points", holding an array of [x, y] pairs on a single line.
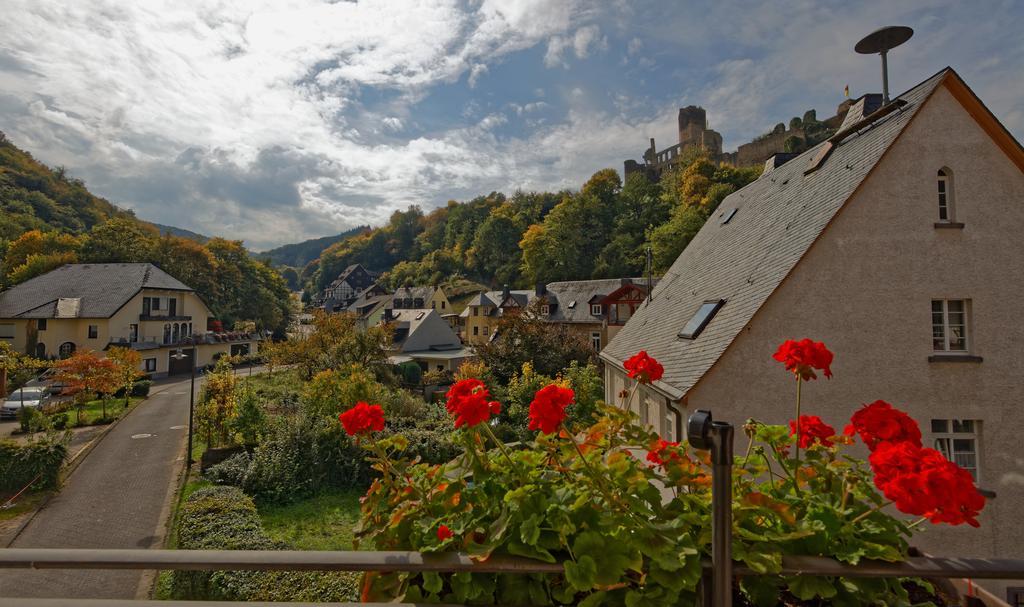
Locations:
{"points": [[224, 518], [38, 462]]}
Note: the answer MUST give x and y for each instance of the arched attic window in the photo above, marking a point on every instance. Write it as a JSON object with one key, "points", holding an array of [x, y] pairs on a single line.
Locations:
{"points": [[946, 198]]}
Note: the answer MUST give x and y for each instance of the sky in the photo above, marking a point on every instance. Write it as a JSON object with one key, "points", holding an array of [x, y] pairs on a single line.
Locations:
{"points": [[274, 122]]}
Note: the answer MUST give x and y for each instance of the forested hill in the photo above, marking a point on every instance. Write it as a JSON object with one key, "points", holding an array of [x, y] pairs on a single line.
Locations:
{"points": [[35, 197], [48, 219], [601, 231], [299, 254]]}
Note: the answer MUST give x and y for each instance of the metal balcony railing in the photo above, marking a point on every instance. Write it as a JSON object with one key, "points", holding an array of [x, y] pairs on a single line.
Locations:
{"points": [[444, 562]]}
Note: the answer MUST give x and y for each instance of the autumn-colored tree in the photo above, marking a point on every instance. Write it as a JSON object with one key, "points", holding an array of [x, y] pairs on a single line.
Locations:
{"points": [[218, 405], [84, 374], [335, 390], [13, 364], [126, 363], [337, 342], [36, 252]]}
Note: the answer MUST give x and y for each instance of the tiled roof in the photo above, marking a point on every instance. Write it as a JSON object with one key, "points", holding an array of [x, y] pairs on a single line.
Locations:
{"points": [[424, 293], [99, 288], [780, 215]]}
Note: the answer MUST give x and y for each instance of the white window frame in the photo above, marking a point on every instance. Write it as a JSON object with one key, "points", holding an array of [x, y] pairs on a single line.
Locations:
{"points": [[945, 195], [7, 330], [944, 331], [486, 329], [953, 430], [545, 309], [150, 365], [596, 309], [595, 340]]}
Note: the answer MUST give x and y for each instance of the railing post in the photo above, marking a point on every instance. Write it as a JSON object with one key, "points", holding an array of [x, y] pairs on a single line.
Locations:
{"points": [[717, 437]]}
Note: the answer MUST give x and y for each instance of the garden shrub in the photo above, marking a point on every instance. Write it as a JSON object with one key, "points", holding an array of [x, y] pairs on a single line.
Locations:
{"points": [[230, 471], [141, 388], [21, 463], [59, 421], [224, 518]]}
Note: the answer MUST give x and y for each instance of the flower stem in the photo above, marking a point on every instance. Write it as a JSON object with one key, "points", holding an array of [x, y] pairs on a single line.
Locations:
{"points": [[796, 466], [500, 444], [917, 522], [864, 515]]}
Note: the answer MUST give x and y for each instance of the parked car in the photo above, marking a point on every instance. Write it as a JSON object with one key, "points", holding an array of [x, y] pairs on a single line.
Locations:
{"points": [[29, 396], [48, 380]]}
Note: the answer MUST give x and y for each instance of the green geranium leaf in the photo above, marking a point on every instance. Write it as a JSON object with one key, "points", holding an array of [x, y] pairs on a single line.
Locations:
{"points": [[806, 587], [533, 552], [529, 532], [762, 591], [582, 573], [432, 582], [593, 600]]}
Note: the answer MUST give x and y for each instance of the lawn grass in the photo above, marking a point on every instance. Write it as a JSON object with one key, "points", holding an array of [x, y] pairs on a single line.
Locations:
{"points": [[26, 502], [92, 413], [280, 388], [322, 522]]}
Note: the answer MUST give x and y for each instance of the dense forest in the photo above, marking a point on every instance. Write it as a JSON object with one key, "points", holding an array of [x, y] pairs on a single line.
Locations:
{"points": [[601, 231], [50, 219]]}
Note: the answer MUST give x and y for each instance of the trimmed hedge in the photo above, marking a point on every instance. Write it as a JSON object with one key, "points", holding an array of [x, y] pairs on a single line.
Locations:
{"points": [[19, 464], [224, 518]]}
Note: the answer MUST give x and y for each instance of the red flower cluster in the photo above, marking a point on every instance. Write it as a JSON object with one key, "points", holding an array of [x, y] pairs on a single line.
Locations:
{"points": [[918, 480], [643, 368], [812, 430], [443, 533], [661, 452], [803, 357], [469, 402], [547, 411], [879, 422], [362, 419], [922, 482]]}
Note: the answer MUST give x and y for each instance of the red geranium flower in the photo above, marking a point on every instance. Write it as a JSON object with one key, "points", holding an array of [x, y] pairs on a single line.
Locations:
{"points": [[643, 368], [547, 411], [443, 533], [661, 452], [362, 419], [922, 482], [880, 422], [469, 401], [803, 357], [812, 430]]}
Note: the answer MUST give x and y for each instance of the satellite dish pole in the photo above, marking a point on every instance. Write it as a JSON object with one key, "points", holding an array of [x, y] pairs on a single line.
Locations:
{"points": [[881, 42]]}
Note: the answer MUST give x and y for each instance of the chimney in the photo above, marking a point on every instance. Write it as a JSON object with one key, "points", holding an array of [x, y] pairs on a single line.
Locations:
{"points": [[776, 160], [862, 108], [505, 292], [542, 289]]}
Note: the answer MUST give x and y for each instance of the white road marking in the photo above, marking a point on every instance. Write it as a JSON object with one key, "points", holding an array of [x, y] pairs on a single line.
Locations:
{"points": [[141, 435], [178, 427]]}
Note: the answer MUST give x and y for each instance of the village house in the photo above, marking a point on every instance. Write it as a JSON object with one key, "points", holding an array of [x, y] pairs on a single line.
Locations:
{"points": [[897, 242], [595, 309], [349, 285], [422, 336], [408, 298], [133, 305]]}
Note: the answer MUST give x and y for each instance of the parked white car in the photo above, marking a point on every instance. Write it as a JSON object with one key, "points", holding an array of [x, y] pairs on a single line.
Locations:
{"points": [[29, 396]]}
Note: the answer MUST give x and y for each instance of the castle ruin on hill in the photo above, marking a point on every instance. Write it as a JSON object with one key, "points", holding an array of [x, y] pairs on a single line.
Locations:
{"points": [[694, 134]]}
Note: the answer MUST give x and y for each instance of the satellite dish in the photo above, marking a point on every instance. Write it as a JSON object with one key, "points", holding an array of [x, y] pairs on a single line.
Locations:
{"points": [[884, 39], [881, 42]]}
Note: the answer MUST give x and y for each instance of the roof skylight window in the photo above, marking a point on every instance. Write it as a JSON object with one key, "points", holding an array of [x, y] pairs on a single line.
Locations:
{"points": [[729, 215], [704, 314]]}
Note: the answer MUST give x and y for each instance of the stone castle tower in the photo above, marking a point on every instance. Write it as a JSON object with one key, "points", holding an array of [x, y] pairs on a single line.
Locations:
{"points": [[694, 131]]}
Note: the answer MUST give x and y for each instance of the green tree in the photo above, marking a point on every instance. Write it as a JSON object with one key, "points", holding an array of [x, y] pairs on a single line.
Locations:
{"points": [[120, 240], [218, 404], [337, 342], [126, 369]]}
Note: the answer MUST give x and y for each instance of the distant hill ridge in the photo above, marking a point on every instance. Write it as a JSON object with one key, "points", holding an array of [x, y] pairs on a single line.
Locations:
{"points": [[299, 254]]}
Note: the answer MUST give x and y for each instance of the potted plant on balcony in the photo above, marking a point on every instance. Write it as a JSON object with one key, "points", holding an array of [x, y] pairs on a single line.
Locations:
{"points": [[628, 514]]}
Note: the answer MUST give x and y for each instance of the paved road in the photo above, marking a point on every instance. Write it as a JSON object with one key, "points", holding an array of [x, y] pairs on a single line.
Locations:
{"points": [[116, 498]]}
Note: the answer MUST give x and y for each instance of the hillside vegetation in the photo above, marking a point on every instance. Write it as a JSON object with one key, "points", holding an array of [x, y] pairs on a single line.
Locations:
{"points": [[49, 219], [601, 231], [299, 254]]}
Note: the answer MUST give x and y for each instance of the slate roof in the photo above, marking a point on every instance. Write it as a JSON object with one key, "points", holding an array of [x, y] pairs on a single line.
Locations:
{"points": [[100, 288], [413, 292], [582, 292], [780, 215]]}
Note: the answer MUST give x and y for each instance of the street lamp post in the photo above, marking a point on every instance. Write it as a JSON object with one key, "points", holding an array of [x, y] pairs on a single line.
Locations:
{"points": [[179, 355]]}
